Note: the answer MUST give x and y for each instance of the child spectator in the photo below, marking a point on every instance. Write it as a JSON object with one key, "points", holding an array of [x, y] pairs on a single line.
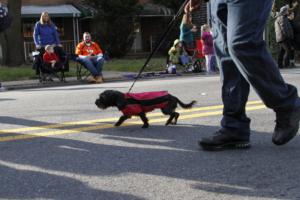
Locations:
{"points": [[51, 60], [175, 52], [208, 48], [174, 56]]}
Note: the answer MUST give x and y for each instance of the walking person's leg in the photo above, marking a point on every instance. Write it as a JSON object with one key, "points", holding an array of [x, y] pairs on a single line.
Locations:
{"points": [[235, 125], [248, 51], [287, 55], [292, 58], [206, 63], [281, 53]]}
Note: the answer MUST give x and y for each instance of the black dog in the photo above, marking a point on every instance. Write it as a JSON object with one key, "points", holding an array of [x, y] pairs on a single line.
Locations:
{"points": [[138, 104]]}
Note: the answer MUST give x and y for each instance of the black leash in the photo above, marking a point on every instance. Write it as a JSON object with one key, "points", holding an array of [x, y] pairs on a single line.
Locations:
{"points": [[169, 27]]}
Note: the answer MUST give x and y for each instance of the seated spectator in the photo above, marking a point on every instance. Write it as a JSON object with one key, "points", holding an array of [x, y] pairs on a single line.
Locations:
{"points": [[175, 52], [51, 59], [91, 56]]}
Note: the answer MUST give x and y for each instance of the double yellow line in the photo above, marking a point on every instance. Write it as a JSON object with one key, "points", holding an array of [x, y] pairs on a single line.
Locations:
{"points": [[91, 125]]}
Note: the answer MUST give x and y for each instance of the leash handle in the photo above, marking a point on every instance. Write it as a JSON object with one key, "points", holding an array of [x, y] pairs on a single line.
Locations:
{"points": [[170, 26]]}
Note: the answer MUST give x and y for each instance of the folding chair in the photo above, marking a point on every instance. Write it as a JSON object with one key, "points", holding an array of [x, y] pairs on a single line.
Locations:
{"points": [[81, 72], [42, 70]]}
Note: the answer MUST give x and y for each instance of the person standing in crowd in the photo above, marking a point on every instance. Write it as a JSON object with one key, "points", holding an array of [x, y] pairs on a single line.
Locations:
{"points": [[284, 37], [45, 33], [293, 11], [186, 33], [244, 60], [91, 56], [208, 48]]}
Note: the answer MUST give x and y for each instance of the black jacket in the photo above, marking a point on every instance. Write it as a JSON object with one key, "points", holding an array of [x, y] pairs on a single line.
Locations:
{"points": [[283, 29]]}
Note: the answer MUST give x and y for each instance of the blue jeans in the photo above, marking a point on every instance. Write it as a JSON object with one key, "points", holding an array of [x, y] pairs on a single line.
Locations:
{"points": [[93, 64], [244, 60]]}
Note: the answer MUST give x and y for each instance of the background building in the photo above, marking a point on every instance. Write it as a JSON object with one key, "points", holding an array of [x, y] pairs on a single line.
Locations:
{"points": [[73, 17]]}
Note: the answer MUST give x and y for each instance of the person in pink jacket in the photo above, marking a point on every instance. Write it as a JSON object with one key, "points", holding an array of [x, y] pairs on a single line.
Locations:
{"points": [[208, 48]]}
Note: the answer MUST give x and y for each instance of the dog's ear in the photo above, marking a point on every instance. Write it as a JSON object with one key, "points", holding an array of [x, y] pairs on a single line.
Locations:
{"points": [[121, 102], [102, 97]]}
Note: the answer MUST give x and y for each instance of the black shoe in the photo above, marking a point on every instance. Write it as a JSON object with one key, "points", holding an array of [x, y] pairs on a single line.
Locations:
{"points": [[287, 125], [222, 141]]}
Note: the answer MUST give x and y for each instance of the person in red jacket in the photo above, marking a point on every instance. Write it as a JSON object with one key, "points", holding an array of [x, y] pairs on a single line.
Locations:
{"points": [[51, 59]]}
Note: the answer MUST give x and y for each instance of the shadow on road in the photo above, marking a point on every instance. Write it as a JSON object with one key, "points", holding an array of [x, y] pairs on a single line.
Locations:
{"points": [[45, 167]]}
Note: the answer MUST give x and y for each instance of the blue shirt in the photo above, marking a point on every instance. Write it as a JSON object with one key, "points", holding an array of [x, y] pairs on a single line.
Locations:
{"points": [[186, 35], [45, 34]]}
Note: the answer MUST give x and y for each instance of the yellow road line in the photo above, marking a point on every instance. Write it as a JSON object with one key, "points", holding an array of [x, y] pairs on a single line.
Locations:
{"points": [[105, 126], [87, 122]]}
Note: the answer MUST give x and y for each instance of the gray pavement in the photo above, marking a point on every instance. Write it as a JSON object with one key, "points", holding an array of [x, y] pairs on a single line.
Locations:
{"points": [[56, 144]]}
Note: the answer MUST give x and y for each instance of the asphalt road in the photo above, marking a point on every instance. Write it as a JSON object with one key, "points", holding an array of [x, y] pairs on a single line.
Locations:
{"points": [[56, 144]]}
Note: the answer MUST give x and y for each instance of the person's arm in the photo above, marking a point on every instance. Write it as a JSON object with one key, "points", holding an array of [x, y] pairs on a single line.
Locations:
{"points": [[98, 50], [193, 5], [36, 35]]}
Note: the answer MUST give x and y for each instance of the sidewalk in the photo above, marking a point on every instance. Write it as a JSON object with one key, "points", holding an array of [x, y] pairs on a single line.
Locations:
{"points": [[109, 76], [34, 83]]}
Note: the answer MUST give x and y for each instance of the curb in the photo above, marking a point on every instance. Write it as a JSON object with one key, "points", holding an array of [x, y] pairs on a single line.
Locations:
{"points": [[36, 84]]}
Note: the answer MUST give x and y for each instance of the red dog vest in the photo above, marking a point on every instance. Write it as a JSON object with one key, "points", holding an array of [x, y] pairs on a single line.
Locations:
{"points": [[144, 102]]}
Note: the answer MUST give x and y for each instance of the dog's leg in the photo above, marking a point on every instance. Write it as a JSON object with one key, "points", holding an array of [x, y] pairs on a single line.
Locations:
{"points": [[175, 118], [170, 111], [121, 120], [169, 121], [144, 119]]}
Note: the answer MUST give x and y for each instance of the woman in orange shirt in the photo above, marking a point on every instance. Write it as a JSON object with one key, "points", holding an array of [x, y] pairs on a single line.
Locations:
{"points": [[90, 54]]}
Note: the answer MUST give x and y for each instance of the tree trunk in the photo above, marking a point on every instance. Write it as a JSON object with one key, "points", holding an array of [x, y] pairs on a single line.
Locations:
{"points": [[13, 35]]}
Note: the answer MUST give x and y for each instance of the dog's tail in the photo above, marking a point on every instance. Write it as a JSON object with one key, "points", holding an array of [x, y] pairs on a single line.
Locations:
{"points": [[186, 106]]}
